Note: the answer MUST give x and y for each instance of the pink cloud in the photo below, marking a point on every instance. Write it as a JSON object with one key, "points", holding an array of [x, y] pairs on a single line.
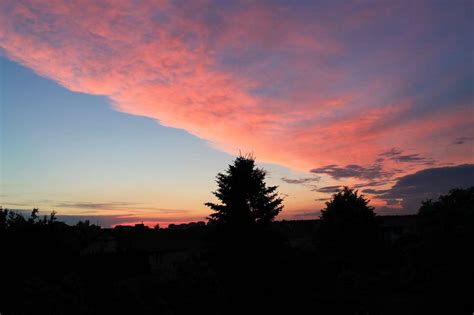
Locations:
{"points": [[295, 90]]}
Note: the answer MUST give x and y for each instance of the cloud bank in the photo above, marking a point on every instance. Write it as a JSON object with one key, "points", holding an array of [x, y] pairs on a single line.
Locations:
{"points": [[410, 190], [306, 85]]}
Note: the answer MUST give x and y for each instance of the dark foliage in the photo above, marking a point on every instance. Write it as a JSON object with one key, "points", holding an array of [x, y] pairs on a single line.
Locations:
{"points": [[441, 259], [245, 198], [52, 268], [451, 214], [348, 227]]}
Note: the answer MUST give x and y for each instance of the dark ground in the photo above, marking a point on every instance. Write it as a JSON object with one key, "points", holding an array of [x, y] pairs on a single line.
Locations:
{"points": [[53, 268]]}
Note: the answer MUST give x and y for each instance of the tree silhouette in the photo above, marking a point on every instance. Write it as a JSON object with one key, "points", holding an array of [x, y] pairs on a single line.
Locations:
{"points": [[52, 217], [34, 216], [442, 256], [244, 196], [453, 212], [348, 225], [3, 218]]}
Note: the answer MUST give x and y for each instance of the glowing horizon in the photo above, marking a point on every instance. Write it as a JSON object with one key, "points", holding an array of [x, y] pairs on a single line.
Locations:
{"points": [[326, 94]]}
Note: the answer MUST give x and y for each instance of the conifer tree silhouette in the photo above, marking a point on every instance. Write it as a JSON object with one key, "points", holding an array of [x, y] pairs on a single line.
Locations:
{"points": [[244, 197]]}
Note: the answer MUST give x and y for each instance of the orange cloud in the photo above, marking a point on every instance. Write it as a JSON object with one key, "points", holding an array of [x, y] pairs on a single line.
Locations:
{"points": [[294, 89]]}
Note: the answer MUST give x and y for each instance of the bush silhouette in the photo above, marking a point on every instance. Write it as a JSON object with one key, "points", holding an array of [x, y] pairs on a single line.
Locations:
{"points": [[348, 227]]}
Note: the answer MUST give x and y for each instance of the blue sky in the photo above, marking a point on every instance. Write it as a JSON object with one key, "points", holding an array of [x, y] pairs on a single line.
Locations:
{"points": [[73, 153]]}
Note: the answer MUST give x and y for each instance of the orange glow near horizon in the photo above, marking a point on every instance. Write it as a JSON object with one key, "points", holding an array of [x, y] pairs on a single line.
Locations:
{"points": [[303, 92]]}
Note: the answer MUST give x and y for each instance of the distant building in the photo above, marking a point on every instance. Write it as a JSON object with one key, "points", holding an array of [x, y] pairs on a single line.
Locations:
{"points": [[299, 233], [104, 243], [185, 226], [151, 250], [302, 233], [393, 227], [161, 248]]}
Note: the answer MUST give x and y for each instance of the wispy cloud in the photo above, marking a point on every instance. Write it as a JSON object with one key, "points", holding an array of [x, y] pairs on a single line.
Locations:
{"points": [[356, 171], [127, 208], [397, 155], [300, 181], [462, 140], [327, 189], [305, 85], [371, 184], [375, 191], [96, 205], [307, 215]]}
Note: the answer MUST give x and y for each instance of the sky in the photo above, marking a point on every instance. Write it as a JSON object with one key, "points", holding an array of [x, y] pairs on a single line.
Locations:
{"points": [[123, 111]]}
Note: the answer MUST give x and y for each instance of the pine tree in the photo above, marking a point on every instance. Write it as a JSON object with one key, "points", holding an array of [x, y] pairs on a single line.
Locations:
{"points": [[244, 196]]}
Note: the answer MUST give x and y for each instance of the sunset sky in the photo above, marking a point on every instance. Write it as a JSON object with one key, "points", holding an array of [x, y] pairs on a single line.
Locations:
{"points": [[123, 111]]}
